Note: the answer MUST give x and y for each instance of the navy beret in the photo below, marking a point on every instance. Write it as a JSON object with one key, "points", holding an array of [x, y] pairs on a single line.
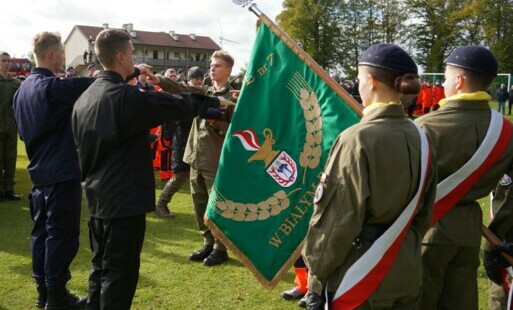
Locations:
{"points": [[389, 57], [474, 58]]}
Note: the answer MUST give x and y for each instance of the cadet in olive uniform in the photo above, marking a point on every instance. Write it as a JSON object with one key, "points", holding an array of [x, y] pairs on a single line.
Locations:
{"points": [[203, 152], [451, 246], [502, 226], [110, 122], [373, 172], [8, 131]]}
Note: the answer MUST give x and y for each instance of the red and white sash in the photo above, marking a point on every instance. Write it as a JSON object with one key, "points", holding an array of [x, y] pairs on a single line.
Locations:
{"points": [[455, 186], [364, 276]]}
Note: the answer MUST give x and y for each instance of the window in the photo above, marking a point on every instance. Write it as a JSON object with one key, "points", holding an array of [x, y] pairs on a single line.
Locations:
{"points": [[155, 54]]}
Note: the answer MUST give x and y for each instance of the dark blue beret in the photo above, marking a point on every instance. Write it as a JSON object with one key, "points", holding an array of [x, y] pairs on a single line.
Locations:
{"points": [[474, 58], [389, 57]]}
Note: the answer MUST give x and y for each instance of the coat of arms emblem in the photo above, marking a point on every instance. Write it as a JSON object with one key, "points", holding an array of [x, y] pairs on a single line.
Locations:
{"points": [[279, 165]]}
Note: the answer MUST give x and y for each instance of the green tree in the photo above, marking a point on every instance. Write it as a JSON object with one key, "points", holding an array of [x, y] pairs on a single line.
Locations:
{"points": [[367, 22], [497, 26], [436, 30], [313, 24]]}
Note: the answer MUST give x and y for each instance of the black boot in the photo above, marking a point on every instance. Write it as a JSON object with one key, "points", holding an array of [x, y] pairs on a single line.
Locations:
{"points": [[41, 295], [60, 298], [10, 195]]}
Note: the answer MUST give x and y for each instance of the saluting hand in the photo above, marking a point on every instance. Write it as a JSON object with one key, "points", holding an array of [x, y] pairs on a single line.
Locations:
{"points": [[153, 79]]}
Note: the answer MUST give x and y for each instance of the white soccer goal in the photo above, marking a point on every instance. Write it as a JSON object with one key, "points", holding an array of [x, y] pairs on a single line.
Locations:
{"points": [[502, 78]]}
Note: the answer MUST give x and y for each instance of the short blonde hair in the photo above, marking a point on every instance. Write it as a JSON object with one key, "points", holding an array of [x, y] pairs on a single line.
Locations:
{"points": [[43, 41], [222, 54], [108, 43]]}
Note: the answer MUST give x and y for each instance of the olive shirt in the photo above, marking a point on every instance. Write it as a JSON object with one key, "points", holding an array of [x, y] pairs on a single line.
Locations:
{"points": [[502, 227], [206, 138], [502, 223], [456, 131], [373, 173], [8, 87]]}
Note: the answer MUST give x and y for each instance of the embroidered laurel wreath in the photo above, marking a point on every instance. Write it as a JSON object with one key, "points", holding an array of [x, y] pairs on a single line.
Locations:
{"points": [[309, 158]]}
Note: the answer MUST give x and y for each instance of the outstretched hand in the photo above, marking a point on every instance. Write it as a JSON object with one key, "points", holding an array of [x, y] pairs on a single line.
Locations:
{"points": [[225, 103], [494, 261], [153, 79], [144, 69]]}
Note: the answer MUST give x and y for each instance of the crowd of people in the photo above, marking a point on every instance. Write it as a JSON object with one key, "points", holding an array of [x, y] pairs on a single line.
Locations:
{"points": [[386, 178]]}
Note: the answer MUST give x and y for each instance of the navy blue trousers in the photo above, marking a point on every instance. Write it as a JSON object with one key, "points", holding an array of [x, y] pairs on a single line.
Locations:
{"points": [[55, 210]]}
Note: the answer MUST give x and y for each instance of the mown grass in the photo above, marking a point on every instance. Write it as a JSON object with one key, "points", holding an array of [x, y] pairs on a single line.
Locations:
{"points": [[167, 279]]}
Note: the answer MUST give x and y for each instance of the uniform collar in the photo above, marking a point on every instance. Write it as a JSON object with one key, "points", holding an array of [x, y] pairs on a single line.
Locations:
{"points": [[377, 105], [477, 96], [384, 110], [466, 101], [42, 71], [113, 75], [223, 90]]}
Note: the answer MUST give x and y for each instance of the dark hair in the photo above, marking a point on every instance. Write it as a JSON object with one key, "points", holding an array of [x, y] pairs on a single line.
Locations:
{"points": [[2, 53], [476, 81], [43, 41], [405, 83], [108, 43]]}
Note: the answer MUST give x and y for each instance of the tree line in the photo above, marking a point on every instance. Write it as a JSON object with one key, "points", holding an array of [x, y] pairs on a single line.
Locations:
{"points": [[335, 32]]}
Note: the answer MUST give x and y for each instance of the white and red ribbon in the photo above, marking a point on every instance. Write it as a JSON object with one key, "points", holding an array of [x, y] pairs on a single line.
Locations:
{"points": [[455, 186], [365, 275]]}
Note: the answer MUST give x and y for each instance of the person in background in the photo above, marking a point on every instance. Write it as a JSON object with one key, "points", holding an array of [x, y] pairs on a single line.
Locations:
{"points": [[170, 74], [180, 130], [180, 76], [502, 96], [70, 73], [8, 131], [203, 150], [91, 70], [510, 99]]}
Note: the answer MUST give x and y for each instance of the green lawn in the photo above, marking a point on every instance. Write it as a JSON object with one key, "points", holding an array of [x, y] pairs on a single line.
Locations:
{"points": [[167, 279]]}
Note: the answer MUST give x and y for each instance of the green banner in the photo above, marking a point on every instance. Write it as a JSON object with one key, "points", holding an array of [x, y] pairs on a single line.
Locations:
{"points": [[282, 129]]}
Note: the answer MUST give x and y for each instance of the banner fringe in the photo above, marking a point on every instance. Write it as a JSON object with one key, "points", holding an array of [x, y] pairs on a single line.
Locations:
{"points": [[269, 285]]}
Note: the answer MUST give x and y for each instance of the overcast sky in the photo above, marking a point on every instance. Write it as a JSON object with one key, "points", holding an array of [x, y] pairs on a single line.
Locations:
{"points": [[22, 19]]}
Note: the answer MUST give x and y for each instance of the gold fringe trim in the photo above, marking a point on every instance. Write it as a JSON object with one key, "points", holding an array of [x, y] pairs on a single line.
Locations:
{"points": [[247, 262]]}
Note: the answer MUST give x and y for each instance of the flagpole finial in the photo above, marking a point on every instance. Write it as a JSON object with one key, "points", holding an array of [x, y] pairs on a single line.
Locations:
{"points": [[242, 3]]}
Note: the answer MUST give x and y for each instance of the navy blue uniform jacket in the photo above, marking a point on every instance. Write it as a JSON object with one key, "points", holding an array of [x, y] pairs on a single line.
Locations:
{"points": [[42, 108], [110, 126]]}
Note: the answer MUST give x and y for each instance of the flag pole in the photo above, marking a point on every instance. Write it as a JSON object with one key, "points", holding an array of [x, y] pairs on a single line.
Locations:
{"points": [[305, 58], [494, 240]]}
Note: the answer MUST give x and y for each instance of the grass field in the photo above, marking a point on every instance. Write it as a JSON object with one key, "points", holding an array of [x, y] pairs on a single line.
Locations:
{"points": [[167, 279]]}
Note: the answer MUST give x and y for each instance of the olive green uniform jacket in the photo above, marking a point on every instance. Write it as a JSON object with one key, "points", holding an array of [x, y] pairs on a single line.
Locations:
{"points": [[206, 138], [8, 87], [502, 226], [8, 133], [456, 131], [373, 173]]}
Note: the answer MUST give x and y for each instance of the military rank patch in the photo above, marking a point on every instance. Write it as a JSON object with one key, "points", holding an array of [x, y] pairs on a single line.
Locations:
{"points": [[504, 181], [320, 188]]}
